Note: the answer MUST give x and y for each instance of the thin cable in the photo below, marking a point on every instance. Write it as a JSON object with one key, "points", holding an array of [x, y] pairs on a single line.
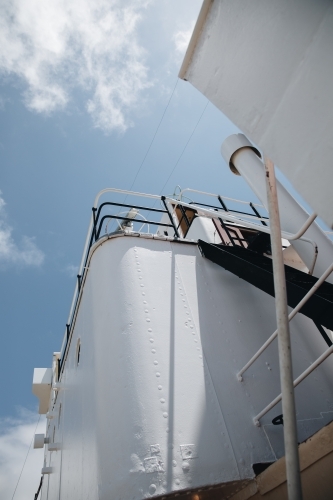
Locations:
{"points": [[26, 458], [188, 140], [152, 141], [157, 129]]}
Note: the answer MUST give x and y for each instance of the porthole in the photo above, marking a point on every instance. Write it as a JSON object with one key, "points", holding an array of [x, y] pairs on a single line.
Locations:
{"points": [[78, 352]]}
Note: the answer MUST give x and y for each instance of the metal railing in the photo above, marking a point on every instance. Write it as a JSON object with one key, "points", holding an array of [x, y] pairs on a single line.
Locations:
{"points": [[298, 380], [246, 220], [290, 317], [94, 233], [169, 206], [237, 218]]}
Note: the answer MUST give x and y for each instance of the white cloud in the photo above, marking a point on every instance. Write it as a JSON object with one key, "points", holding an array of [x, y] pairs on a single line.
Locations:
{"points": [[15, 437], [57, 46], [181, 40], [26, 254]]}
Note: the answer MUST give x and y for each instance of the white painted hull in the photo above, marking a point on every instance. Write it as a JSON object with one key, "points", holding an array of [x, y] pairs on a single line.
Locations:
{"points": [[154, 405]]}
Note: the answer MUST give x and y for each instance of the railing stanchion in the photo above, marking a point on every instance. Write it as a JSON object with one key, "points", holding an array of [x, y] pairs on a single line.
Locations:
{"points": [[184, 217], [94, 222], [223, 205], [170, 216], [67, 332], [286, 375], [255, 211]]}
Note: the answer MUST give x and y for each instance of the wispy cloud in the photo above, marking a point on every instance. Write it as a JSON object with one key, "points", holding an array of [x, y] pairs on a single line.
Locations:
{"points": [[59, 46], [25, 254], [15, 438], [181, 39]]}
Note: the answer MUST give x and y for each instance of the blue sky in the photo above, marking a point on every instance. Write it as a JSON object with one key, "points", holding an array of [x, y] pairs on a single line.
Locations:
{"points": [[83, 88], [56, 157]]}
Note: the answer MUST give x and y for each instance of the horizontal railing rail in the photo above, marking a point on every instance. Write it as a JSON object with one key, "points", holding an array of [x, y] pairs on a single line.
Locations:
{"points": [[313, 366], [293, 313], [98, 232], [257, 217], [190, 190]]}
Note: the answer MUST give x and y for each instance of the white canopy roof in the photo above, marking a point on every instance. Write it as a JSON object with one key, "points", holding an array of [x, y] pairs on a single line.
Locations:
{"points": [[269, 67]]}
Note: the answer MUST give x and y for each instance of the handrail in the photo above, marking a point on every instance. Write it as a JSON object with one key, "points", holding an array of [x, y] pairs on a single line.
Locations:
{"points": [[123, 191], [299, 379], [213, 214], [305, 226], [293, 313], [216, 196], [127, 219], [231, 210], [264, 229], [144, 220]]}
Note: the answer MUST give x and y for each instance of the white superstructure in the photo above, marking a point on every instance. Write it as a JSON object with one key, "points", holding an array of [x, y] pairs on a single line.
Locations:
{"points": [[146, 399], [269, 67], [168, 380]]}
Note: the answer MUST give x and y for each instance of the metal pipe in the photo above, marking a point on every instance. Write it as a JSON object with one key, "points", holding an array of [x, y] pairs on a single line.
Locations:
{"points": [[285, 361], [293, 313], [297, 381], [292, 215]]}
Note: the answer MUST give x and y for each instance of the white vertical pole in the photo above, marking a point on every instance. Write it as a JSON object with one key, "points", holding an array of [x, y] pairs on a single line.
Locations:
{"points": [[285, 362]]}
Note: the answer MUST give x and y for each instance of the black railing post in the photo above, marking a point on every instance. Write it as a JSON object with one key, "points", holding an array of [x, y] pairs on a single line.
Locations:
{"points": [[184, 216], [227, 231], [257, 213], [95, 222], [79, 281], [59, 369], [170, 217], [68, 332], [223, 205]]}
